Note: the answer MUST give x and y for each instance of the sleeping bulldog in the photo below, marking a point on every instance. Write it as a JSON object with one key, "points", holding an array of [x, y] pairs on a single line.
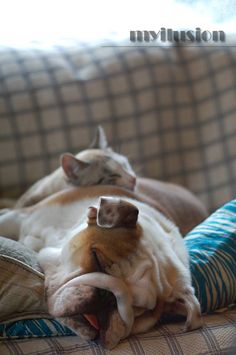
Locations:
{"points": [[113, 264]]}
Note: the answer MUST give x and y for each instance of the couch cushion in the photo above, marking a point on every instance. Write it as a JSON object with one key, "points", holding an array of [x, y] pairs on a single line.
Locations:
{"points": [[23, 309], [216, 337], [21, 283], [10, 249]]}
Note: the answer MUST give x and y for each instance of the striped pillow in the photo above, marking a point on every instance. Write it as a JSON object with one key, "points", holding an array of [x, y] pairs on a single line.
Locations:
{"points": [[212, 249], [32, 328]]}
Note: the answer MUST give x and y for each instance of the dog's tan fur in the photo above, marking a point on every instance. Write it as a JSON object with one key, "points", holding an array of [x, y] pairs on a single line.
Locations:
{"points": [[111, 245]]}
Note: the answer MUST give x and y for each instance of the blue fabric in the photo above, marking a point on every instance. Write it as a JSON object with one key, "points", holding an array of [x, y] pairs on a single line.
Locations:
{"points": [[29, 328], [212, 249]]}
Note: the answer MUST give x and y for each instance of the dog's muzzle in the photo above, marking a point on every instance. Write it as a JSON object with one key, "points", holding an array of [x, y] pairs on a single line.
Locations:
{"points": [[95, 305]]}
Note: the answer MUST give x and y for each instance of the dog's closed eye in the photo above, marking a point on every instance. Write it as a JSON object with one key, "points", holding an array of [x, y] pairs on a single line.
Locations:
{"points": [[97, 261]]}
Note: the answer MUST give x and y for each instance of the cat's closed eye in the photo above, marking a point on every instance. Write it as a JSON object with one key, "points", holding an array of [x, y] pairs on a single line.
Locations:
{"points": [[114, 175]]}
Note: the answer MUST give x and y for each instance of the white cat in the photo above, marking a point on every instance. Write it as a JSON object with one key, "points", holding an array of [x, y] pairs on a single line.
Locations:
{"points": [[98, 165]]}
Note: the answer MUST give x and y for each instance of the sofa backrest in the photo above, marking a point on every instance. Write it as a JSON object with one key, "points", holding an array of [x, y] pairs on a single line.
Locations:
{"points": [[171, 110]]}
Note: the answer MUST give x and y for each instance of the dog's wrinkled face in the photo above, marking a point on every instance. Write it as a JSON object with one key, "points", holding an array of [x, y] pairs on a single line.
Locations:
{"points": [[91, 290], [86, 300], [112, 233]]}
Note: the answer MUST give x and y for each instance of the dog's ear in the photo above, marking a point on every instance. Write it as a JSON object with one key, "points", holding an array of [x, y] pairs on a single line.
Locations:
{"points": [[92, 215], [72, 166], [100, 139], [115, 212]]}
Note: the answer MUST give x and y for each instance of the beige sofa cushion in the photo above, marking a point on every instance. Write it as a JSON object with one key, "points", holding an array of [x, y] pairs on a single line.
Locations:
{"points": [[22, 283], [216, 337]]}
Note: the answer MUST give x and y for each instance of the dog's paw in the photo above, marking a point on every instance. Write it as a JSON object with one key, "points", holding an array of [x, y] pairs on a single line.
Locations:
{"points": [[187, 305], [193, 311], [115, 331], [193, 323]]}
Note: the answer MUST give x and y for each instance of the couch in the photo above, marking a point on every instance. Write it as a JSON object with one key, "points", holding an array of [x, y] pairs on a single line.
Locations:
{"points": [[171, 110]]}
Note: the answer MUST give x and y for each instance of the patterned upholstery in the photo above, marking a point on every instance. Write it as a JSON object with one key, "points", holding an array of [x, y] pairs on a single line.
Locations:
{"points": [[172, 110], [215, 338]]}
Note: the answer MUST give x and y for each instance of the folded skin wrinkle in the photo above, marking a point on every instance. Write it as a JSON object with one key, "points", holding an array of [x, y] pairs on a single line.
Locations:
{"points": [[109, 283]]}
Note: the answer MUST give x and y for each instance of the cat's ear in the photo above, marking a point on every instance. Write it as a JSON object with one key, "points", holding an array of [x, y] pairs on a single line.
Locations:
{"points": [[100, 139], [72, 166]]}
